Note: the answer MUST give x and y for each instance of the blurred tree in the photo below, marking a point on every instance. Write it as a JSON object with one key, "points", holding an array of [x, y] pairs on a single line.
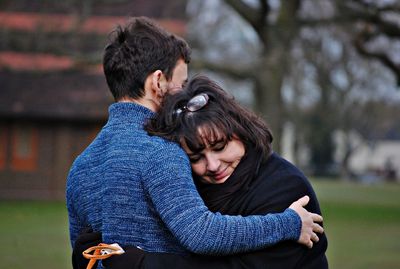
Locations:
{"points": [[271, 42], [376, 20]]}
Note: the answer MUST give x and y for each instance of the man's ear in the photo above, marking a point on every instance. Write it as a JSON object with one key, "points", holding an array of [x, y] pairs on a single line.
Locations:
{"points": [[159, 83], [156, 86]]}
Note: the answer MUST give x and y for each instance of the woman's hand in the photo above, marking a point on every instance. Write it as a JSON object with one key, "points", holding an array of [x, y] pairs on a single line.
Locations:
{"points": [[309, 227]]}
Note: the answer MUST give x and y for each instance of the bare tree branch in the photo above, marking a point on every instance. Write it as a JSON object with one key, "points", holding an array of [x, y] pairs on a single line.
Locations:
{"points": [[359, 44], [358, 11], [199, 64], [245, 11], [371, 13], [371, 17], [264, 11], [374, 8], [374, 24], [257, 18], [389, 28]]}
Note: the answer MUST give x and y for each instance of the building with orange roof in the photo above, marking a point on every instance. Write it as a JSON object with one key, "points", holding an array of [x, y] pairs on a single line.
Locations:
{"points": [[53, 96]]}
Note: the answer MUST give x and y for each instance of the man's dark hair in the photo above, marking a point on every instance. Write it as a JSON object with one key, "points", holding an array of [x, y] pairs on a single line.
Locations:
{"points": [[135, 51], [222, 117]]}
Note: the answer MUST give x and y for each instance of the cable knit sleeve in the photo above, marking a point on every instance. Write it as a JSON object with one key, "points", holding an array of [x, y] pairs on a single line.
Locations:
{"points": [[170, 186]]}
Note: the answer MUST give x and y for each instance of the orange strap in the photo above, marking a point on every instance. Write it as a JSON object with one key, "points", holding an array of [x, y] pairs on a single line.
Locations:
{"points": [[100, 252]]}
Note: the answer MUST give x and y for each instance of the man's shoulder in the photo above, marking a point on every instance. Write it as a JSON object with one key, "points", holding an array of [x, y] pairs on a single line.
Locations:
{"points": [[159, 143], [158, 147], [131, 139]]}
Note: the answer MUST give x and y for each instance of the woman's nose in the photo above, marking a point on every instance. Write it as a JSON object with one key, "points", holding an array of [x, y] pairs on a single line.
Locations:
{"points": [[212, 163]]}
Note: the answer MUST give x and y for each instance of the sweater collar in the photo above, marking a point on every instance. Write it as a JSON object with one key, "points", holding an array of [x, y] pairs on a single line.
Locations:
{"points": [[129, 112]]}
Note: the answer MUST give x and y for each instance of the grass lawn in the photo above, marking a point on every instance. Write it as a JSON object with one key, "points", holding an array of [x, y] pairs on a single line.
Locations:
{"points": [[34, 235], [362, 225]]}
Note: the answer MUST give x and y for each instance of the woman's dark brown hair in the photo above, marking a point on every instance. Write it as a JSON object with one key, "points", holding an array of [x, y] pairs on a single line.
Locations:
{"points": [[220, 118]]}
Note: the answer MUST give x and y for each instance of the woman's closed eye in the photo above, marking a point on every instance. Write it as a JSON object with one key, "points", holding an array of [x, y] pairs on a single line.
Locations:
{"points": [[219, 146], [195, 158]]}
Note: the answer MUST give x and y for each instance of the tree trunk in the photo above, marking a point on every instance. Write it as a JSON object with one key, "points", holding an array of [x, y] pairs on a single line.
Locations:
{"points": [[268, 98], [277, 40]]}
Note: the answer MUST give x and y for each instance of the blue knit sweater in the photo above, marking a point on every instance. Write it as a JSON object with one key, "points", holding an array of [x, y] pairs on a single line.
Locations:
{"points": [[138, 190]]}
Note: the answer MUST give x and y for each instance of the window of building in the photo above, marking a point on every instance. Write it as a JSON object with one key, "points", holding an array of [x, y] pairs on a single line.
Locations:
{"points": [[24, 148]]}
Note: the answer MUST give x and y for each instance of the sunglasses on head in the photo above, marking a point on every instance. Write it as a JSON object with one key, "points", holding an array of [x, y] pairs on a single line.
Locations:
{"points": [[194, 104]]}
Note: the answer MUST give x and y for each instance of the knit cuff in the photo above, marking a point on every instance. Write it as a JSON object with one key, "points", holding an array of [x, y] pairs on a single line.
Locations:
{"points": [[292, 225]]}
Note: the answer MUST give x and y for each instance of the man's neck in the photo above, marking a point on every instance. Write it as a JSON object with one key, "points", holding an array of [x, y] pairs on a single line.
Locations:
{"points": [[148, 103]]}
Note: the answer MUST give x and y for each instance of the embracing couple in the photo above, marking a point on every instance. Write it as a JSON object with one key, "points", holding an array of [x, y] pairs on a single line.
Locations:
{"points": [[182, 176]]}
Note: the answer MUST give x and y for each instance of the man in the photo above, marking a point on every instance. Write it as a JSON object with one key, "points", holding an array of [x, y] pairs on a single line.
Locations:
{"points": [[137, 189]]}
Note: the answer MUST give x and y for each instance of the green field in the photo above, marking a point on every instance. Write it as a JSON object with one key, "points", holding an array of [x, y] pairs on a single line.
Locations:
{"points": [[362, 224]]}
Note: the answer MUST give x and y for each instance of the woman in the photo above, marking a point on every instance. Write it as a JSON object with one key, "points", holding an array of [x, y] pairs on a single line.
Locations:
{"points": [[236, 173]]}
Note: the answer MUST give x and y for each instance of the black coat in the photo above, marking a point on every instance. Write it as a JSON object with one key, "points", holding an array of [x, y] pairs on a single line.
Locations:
{"points": [[271, 188]]}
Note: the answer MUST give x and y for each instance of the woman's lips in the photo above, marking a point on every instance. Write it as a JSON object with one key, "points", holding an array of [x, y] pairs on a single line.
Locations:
{"points": [[220, 175]]}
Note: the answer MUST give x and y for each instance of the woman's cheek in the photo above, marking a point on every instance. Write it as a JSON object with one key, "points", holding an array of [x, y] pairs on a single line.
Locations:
{"points": [[198, 169]]}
